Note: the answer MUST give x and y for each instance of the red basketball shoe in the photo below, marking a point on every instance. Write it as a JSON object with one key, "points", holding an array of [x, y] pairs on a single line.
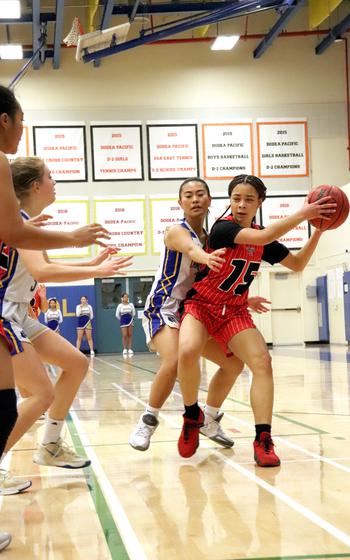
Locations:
{"points": [[264, 454], [189, 438]]}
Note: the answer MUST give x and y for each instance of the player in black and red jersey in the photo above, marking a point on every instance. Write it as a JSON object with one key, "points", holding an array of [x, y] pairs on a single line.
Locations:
{"points": [[217, 307]]}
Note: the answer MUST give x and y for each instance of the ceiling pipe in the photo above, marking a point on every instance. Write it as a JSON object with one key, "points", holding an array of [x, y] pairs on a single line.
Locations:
{"points": [[207, 18]]}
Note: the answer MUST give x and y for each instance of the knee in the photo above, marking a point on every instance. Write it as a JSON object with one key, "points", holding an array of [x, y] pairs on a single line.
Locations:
{"points": [[80, 364], [261, 364], [188, 355]]}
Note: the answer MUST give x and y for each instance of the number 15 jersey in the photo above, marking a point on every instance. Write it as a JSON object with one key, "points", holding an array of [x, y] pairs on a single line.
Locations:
{"points": [[230, 285]]}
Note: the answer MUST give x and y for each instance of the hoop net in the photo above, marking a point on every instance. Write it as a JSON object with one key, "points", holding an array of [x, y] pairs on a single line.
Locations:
{"points": [[71, 40]]}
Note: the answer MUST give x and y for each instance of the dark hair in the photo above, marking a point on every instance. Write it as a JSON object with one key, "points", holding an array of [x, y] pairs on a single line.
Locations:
{"points": [[251, 180], [84, 297], [26, 170], [8, 102], [53, 299], [195, 180], [125, 294]]}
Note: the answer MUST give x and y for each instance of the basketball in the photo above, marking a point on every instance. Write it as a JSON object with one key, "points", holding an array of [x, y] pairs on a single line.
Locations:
{"points": [[341, 211]]}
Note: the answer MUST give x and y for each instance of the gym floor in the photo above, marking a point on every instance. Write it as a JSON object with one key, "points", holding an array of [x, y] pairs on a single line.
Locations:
{"points": [[217, 505]]}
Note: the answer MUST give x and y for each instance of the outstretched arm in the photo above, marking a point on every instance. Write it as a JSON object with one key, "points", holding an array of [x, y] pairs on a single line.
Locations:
{"points": [[178, 239], [298, 261]]}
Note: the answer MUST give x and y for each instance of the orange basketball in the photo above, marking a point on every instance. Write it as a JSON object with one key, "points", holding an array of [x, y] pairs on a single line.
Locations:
{"points": [[341, 210]]}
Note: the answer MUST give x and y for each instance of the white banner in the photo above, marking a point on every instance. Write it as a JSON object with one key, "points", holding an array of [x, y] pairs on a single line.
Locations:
{"points": [[116, 152], [124, 218], [63, 149], [227, 150], [165, 212], [172, 151], [281, 206], [283, 149], [68, 214]]}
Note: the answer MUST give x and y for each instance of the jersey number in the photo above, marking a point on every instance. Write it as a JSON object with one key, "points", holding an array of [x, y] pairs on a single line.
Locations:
{"points": [[231, 282]]}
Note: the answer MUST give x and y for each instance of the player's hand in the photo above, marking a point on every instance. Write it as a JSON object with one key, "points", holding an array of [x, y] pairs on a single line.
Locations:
{"points": [[215, 260], [111, 267], [321, 208], [256, 304], [104, 254], [40, 220], [41, 290], [90, 234]]}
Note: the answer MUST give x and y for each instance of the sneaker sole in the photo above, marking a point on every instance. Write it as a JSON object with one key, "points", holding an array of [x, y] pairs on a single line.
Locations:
{"points": [[265, 466], [4, 544], [63, 466], [12, 492], [224, 443], [138, 447]]}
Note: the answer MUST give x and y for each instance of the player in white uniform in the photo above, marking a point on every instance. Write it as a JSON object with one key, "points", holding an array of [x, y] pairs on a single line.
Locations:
{"points": [[85, 314], [53, 316], [31, 340], [181, 256], [125, 312]]}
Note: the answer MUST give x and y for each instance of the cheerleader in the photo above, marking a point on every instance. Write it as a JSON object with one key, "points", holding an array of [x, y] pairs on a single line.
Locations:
{"points": [[125, 312], [85, 314], [53, 316]]}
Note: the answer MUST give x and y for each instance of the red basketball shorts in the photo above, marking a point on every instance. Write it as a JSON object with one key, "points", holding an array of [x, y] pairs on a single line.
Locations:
{"points": [[5, 337], [222, 323]]}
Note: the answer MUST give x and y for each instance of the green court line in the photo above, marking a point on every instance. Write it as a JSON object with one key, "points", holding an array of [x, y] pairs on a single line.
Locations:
{"points": [[111, 533], [307, 426], [302, 557]]}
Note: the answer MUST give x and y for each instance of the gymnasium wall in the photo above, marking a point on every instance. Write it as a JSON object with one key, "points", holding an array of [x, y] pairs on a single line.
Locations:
{"points": [[190, 81]]}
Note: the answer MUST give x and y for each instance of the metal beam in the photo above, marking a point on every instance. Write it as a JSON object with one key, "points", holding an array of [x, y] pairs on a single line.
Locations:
{"points": [[58, 34], [172, 7], [106, 18], [36, 32], [335, 33], [287, 15], [134, 10], [233, 10]]}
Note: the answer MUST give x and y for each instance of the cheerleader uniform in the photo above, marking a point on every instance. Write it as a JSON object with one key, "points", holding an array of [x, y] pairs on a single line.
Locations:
{"points": [[85, 315], [53, 319], [125, 312]]}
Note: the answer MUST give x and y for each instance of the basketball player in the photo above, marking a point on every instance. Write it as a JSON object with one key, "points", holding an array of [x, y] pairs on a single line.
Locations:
{"points": [[179, 263], [35, 189], [14, 232], [217, 307]]}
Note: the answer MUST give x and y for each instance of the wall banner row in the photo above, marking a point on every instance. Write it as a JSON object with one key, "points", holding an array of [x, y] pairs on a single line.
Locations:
{"points": [[126, 219], [172, 150]]}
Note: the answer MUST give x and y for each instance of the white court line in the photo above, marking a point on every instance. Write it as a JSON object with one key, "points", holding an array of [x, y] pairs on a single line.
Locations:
{"points": [[276, 438], [125, 529], [293, 504]]}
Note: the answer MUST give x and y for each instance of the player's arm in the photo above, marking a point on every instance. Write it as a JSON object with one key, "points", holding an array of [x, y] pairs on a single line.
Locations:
{"points": [[14, 232], [44, 304], [100, 258], [320, 209], [298, 261], [179, 239], [43, 271]]}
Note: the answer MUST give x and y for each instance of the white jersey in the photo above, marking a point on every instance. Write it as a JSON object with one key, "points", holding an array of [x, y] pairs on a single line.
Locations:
{"points": [[53, 315], [125, 309], [84, 310], [21, 285]]}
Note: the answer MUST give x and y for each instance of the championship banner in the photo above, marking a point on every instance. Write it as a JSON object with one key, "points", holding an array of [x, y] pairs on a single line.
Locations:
{"points": [[63, 148], [283, 149], [68, 214], [227, 150], [125, 220], [172, 150], [116, 152], [276, 207], [164, 212], [23, 146]]}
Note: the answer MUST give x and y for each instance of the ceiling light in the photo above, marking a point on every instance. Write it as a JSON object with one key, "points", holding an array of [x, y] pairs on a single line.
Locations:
{"points": [[10, 9], [11, 52], [224, 42]]}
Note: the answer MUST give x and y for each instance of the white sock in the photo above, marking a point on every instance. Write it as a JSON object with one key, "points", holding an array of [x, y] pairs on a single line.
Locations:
{"points": [[151, 410], [211, 411], [53, 430]]}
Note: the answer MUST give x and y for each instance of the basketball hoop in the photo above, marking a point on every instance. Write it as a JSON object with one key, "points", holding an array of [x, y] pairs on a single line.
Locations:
{"points": [[72, 38]]}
